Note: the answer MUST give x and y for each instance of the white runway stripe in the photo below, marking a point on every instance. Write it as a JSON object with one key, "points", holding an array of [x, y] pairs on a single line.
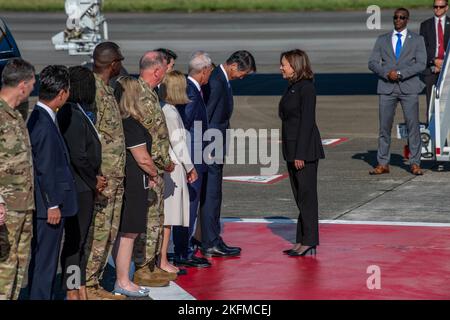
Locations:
{"points": [[172, 292], [380, 223]]}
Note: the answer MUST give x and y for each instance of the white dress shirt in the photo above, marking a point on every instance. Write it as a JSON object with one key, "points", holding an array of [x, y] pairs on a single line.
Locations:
{"points": [[436, 21], [197, 85], [48, 109], [395, 38], [225, 73]]}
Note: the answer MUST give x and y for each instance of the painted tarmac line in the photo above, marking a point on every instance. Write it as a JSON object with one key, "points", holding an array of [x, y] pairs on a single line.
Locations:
{"points": [[257, 179], [355, 222], [172, 292], [333, 142]]}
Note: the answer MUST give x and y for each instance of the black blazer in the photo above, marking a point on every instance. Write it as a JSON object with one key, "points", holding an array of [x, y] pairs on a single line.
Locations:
{"points": [[84, 146], [299, 133], [428, 32], [53, 180]]}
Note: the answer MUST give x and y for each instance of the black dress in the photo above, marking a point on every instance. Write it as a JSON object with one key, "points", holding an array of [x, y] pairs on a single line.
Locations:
{"points": [[135, 199]]}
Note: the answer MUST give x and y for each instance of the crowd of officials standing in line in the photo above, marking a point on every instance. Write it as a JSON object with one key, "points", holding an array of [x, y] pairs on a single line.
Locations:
{"points": [[106, 161]]}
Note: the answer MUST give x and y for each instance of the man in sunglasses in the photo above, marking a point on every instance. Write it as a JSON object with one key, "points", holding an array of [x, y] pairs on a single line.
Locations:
{"points": [[436, 32], [398, 58]]}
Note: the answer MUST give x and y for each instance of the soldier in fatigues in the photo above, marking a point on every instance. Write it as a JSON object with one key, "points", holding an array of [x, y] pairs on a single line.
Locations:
{"points": [[16, 178], [107, 64], [147, 247]]}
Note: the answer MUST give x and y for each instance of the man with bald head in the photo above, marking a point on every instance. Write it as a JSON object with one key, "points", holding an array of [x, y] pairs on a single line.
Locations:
{"points": [[153, 67], [107, 64]]}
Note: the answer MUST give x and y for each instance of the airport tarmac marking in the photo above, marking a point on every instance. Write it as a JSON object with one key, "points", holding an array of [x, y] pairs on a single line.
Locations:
{"points": [[357, 222], [257, 179], [333, 142], [329, 142]]}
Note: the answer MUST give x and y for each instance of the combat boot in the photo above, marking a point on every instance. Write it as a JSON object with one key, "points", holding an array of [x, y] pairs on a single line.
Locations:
{"points": [[98, 293], [170, 276], [144, 277], [156, 273]]}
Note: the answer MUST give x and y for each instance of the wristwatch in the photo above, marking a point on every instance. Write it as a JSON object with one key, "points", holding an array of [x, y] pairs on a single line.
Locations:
{"points": [[399, 75]]}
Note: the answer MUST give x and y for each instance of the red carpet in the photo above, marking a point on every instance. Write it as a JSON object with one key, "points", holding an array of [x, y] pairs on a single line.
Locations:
{"points": [[414, 263]]}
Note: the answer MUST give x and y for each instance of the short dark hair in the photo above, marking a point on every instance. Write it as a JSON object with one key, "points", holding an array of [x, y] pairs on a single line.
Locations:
{"points": [[168, 54], [53, 79], [299, 61], [244, 60], [404, 10], [82, 85], [106, 53], [16, 71]]}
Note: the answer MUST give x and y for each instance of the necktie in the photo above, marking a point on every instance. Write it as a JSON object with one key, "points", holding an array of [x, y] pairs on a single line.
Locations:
{"points": [[441, 49], [398, 47]]}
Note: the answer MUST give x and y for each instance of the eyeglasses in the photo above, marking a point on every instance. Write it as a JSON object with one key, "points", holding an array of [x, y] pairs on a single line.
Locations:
{"points": [[400, 17], [439, 7]]}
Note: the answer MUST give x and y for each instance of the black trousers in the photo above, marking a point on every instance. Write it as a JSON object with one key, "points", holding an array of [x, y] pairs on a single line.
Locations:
{"points": [[76, 232], [430, 80], [304, 187]]}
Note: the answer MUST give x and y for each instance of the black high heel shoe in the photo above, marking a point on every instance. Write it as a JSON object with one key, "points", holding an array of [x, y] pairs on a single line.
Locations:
{"points": [[311, 250], [287, 251]]}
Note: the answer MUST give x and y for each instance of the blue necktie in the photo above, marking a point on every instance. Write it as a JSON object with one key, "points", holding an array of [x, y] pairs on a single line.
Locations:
{"points": [[398, 47]]}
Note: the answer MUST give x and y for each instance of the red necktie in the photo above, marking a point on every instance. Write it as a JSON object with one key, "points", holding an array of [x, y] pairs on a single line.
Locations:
{"points": [[441, 49]]}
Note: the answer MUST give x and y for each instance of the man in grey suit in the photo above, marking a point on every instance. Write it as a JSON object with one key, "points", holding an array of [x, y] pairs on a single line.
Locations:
{"points": [[398, 58]]}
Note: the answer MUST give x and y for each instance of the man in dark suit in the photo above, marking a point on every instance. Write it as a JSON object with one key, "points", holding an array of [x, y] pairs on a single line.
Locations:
{"points": [[219, 106], [398, 58], [55, 192], [436, 32], [195, 120]]}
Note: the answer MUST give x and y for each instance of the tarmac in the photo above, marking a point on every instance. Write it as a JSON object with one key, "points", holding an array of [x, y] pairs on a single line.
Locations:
{"points": [[336, 41]]}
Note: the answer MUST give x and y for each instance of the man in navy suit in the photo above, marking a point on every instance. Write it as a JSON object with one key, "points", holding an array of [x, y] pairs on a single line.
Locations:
{"points": [[196, 122], [436, 33], [219, 106], [55, 193]]}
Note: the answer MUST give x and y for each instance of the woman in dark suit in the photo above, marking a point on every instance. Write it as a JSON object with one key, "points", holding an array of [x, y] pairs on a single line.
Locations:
{"points": [[76, 123], [302, 146]]}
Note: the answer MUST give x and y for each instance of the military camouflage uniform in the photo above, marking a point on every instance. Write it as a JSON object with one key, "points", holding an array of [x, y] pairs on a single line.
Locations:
{"points": [[108, 206], [148, 246], [16, 192]]}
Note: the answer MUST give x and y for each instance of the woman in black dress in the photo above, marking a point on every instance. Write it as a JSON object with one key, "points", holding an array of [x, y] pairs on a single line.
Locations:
{"points": [[302, 146], [77, 127], [140, 175]]}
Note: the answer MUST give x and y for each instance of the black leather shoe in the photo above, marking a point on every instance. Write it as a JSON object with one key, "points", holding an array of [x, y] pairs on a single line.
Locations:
{"points": [[230, 248], [181, 262], [287, 251], [219, 251], [199, 260]]}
